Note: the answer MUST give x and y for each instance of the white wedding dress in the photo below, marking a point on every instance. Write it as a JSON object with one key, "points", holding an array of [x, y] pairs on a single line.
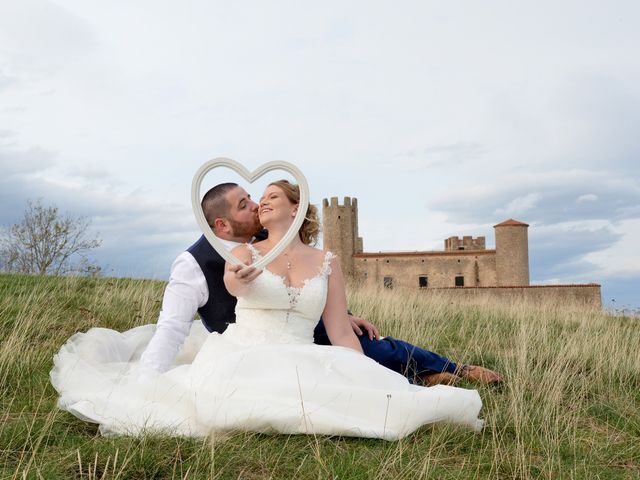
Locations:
{"points": [[264, 374]]}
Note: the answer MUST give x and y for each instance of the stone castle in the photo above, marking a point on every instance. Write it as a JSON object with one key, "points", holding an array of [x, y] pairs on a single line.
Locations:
{"points": [[465, 268]]}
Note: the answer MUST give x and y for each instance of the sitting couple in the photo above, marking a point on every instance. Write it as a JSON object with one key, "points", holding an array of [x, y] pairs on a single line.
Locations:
{"points": [[264, 373]]}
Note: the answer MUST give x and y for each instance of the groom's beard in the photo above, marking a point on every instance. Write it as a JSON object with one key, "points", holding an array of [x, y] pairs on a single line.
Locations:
{"points": [[245, 230]]}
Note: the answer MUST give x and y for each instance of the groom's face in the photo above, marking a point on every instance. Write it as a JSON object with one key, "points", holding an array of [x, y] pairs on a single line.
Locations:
{"points": [[243, 214]]}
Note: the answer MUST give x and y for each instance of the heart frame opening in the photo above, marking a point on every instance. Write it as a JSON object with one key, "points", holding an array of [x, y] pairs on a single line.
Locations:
{"points": [[249, 177]]}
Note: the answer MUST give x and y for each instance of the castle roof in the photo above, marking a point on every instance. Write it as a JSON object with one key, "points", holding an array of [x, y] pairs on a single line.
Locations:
{"points": [[511, 222]]}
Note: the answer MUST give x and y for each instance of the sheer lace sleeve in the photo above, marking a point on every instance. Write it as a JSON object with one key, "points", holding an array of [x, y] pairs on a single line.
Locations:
{"points": [[325, 270], [255, 254]]}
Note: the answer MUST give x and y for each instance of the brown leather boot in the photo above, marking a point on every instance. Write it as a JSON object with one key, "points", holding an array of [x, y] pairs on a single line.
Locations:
{"points": [[442, 378], [476, 373]]}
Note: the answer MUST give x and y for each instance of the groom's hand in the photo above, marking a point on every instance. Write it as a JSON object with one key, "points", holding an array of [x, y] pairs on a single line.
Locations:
{"points": [[359, 324], [245, 274]]}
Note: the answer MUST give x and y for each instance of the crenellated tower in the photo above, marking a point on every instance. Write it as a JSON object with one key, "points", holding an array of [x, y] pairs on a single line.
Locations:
{"points": [[340, 231], [455, 244]]}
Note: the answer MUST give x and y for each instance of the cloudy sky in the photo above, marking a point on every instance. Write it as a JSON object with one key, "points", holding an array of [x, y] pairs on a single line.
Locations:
{"points": [[442, 118]]}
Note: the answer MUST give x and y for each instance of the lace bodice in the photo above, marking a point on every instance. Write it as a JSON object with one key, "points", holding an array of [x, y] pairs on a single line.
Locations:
{"points": [[274, 312]]}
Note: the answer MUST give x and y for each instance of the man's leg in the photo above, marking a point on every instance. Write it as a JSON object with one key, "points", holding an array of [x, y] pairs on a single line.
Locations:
{"points": [[413, 362], [409, 360]]}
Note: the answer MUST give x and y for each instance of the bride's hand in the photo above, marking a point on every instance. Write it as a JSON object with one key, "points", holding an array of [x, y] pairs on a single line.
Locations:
{"points": [[244, 274], [238, 277]]}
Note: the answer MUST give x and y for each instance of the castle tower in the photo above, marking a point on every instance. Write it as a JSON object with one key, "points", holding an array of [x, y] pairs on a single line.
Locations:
{"points": [[512, 253], [340, 231]]}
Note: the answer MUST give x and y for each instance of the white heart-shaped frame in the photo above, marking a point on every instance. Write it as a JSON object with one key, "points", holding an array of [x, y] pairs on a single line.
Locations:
{"points": [[249, 177]]}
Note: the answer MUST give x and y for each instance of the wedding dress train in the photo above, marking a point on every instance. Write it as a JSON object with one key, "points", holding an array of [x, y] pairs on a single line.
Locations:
{"points": [[264, 374]]}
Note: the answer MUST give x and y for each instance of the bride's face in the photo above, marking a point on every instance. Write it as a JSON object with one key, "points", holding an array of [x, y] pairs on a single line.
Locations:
{"points": [[275, 207]]}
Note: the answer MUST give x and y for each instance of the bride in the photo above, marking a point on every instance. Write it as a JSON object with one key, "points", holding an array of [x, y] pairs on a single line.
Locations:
{"points": [[264, 373]]}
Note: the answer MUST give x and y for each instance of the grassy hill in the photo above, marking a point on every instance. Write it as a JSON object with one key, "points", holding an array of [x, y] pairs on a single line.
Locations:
{"points": [[570, 407]]}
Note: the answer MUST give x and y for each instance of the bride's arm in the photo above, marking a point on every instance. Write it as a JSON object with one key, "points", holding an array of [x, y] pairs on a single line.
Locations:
{"points": [[236, 277], [335, 316]]}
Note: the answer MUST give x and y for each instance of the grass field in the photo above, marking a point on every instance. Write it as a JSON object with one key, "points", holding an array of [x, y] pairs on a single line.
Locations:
{"points": [[570, 407]]}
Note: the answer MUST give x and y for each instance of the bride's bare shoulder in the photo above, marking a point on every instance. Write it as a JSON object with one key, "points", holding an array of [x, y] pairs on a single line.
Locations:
{"points": [[260, 246], [315, 255], [242, 253]]}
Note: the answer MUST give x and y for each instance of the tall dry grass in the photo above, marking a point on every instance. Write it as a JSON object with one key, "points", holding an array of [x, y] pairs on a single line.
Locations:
{"points": [[570, 407]]}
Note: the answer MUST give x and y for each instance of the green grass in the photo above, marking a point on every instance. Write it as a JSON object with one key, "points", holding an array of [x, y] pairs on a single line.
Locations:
{"points": [[570, 407]]}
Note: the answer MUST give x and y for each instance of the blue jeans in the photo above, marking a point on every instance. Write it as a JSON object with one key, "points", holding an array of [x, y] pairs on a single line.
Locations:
{"points": [[396, 355]]}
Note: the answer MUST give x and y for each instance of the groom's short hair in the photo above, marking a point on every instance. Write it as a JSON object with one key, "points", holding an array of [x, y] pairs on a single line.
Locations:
{"points": [[214, 203]]}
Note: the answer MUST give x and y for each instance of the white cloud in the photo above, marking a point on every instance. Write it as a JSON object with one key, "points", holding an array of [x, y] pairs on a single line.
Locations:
{"points": [[520, 205], [589, 197], [39, 36], [25, 161], [621, 258], [544, 197]]}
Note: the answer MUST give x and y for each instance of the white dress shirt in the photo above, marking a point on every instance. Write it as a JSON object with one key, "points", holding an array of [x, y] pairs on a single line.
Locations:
{"points": [[186, 292]]}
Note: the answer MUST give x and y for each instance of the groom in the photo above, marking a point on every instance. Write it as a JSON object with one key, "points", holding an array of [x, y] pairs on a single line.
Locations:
{"points": [[196, 284]]}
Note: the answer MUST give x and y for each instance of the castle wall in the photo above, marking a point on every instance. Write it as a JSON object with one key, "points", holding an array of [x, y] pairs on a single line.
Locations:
{"points": [[464, 272], [478, 268], [567, 296]]}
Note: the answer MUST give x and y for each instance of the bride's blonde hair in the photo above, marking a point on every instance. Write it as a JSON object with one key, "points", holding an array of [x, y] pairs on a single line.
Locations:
{"points": [[310, 228]]}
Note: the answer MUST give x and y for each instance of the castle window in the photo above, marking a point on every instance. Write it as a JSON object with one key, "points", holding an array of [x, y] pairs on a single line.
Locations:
{"points": [[423, 282], [459, 281], [459, 248], [388, 282], [387, 261]]}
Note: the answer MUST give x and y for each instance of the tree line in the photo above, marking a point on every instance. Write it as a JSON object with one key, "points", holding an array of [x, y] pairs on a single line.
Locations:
{"points": [[47, 242]]}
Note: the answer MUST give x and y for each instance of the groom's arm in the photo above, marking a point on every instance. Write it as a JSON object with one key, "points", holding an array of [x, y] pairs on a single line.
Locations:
{"points": [[186, 292], [360, 325]]}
